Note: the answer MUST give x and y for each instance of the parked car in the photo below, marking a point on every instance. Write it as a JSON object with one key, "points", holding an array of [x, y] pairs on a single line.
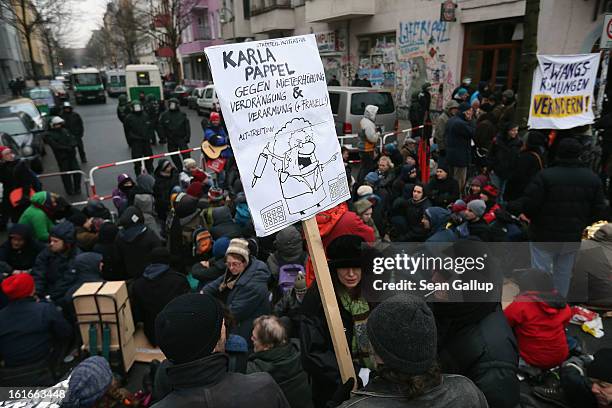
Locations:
{"points": [[181, 93], [192, 100], [209, 101], [24, 105], [43, 98], [168, 89], [59, 89], [348, 105], [19, 132]]}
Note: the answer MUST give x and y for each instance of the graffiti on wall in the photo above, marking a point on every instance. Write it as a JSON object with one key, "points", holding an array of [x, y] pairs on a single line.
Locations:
{"points": [[421, 55]]}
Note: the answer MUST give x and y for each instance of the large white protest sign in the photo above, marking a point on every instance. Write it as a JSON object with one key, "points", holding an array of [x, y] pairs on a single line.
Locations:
{"points": [[274, 99], [562, 91]]}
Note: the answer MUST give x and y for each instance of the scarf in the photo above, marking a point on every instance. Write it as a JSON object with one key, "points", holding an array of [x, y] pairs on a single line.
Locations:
{"points": [[360, 346]]}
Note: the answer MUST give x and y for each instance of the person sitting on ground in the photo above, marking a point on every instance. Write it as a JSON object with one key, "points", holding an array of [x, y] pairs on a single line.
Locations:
{"points": [[316, 344], [206, 271], [489, 195], [106, 247], [125, 184], [145, 203], [87, 268], [39, 215], [191, 333], [243, 288], [89, 384], [133, 245], [95, 208], [288, 307], [223, 223], [442, 190], [539, 317], [408, 214], [53, 269], [276, 355], [475, 188], [20, 249], [434, 222], [588, 384], [86, 235], [402, 331], [364, 209], [157, 286], [289, 249], [30, 331]]}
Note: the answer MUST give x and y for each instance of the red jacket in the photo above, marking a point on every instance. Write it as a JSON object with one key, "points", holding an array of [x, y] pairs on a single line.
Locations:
{"points": [[336, 222], [490, 216], [540, 330]]}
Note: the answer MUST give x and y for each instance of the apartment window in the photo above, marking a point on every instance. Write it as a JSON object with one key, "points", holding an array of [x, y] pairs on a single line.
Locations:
{"points": [[492, 53], [246, 9], [377, 59]]}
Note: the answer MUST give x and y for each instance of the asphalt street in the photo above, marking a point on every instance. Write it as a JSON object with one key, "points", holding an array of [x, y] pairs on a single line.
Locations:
{"points": [[105, 143]]}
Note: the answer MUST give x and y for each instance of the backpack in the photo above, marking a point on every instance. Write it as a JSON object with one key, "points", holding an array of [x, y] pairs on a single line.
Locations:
{"points": [[287, 273], [196, 223]]}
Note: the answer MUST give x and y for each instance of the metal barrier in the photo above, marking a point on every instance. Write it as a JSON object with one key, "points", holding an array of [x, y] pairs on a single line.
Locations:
{"points": [[124, 162], [84, 178]]}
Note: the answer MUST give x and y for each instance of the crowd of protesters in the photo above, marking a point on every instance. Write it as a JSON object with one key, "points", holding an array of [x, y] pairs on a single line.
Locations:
{"points": [[240, 319]]}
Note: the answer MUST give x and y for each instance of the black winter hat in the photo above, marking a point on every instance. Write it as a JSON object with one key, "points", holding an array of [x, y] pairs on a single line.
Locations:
{"points": [[535, 139], [569, 148], [442, 165], [402, 331], [131, 216], [78, 218], [189, 327], [344, 252], [601, 367], [160, 255]]}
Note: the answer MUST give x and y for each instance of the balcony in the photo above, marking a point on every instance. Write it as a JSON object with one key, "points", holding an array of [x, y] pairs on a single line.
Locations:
{"points": [[201, 32], [271, 15], [323, 11]]}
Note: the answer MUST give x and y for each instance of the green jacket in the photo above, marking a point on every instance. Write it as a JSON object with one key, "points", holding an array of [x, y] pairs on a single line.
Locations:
{"points": [[61, 141], [36, 218], [175, 126]]}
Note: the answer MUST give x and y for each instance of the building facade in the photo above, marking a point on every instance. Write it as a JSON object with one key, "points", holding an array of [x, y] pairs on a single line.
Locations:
{"points": [[11, 57], [204, 30], [401, 44]]}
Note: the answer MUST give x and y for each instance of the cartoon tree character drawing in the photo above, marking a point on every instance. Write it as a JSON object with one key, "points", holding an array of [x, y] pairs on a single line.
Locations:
{"points": [[299, 171]]}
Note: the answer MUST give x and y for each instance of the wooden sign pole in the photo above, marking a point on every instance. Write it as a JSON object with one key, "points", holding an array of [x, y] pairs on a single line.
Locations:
{"points": [[328, 299]]}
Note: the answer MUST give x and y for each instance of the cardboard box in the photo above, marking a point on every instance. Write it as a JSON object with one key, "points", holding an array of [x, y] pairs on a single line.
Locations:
{"points": [[145, 352], [106, 303]]}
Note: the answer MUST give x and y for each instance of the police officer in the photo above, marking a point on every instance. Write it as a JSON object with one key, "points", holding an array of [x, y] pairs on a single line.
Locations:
{"points": [[174, 126], [74, 124], [152, 110], [138, 126], [123, 110], [64, 146]]}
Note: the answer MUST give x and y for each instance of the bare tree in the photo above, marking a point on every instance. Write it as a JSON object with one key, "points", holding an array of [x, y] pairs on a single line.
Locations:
{"points": [[165, 23], [29, 17], [122, 28]]}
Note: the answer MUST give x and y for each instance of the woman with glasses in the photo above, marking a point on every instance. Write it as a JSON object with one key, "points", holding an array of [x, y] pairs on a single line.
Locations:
{"points": [[243, 288]]}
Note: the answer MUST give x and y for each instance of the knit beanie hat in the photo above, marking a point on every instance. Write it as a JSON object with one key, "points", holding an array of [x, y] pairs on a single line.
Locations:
{"points": [[569, 148], [490, 191], [220, 247], [601, 367], [458, 206], [442, 165], [464, 107], [478, 207], [362, 206], [364, 191], [189, 327], [88, 383], [402, 331], [372, 178], [160, 255], [462, 91], [195, 189], [215, 194], [78, 219], [238, 246], [18, 286], [64, 231]]}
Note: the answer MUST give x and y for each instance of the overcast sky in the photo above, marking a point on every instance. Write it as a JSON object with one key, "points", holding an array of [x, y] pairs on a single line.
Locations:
{"points": [[87, 17]]}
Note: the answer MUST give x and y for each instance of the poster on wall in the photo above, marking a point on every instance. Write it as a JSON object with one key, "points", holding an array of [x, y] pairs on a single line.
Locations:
{"points": [[274, 99], [562, 91]]}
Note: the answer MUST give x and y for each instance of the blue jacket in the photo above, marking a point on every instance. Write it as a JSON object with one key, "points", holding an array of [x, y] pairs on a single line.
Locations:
{"points": [[248, 299], [459, 132], [210, 131], [54, 274], [28, 329]]}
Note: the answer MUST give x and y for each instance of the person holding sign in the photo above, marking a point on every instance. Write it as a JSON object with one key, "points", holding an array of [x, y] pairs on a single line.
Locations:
{"points": [[318, 355]]}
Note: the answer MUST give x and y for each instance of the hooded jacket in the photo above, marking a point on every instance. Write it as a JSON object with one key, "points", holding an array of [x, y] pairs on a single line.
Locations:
{"points": [[289, 250], [36, 217], [407, 221], [120, 197], [223, 224], [87, 269], [106, 247], [144, 202], [442, 192], [22, 259], [248, 299], [133, 244], [284, 365], [208, 381], [151, 292], [539, 322], [54, 273], [367, 133], [163, 187]]}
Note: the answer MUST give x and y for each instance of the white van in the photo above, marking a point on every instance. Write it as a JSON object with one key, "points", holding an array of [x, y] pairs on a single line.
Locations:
{"points": [[116, 82], [144, 79], [209, 101]]}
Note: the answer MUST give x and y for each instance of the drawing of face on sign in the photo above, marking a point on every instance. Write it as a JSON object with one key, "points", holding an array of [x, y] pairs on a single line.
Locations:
{"points": [[298, 169]]}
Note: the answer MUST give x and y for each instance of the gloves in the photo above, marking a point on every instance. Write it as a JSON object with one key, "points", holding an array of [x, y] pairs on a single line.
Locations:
{"points": [[342, 393]]}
